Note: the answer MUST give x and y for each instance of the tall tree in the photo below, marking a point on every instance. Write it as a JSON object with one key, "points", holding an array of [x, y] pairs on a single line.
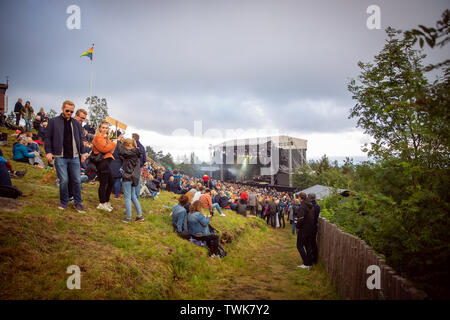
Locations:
{"points": [[387, 98], [52, 113], [98, 110]]}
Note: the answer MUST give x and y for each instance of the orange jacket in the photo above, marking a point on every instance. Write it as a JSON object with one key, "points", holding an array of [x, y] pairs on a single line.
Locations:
{"points": [[206, 201], [104, 145]]}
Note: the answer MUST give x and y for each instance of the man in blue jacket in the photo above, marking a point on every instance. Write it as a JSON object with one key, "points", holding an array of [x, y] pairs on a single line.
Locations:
{"points": [[64, 143], [142, 160]]}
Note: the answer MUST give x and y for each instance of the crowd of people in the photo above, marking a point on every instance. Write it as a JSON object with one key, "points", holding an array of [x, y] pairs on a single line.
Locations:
{"points": [[84, 154]]}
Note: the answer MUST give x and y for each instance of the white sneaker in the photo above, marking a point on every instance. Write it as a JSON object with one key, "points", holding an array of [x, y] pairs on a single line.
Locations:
{"points": [[304, 267], [109, 206], [223, 215], [104, 207]]}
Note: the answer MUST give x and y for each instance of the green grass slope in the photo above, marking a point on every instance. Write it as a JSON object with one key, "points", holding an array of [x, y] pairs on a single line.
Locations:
{"points": [[140, 261]]}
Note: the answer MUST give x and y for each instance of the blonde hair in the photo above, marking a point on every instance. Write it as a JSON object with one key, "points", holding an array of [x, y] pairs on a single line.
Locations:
{"points": [[68, 102], [129, 142], [100, 125]]}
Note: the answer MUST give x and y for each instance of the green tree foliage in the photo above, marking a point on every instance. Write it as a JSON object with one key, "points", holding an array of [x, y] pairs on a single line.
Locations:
{"points": [[401, 203], [97, 109], [321, 172], [150, 153], [52, 113], [387, 94]]}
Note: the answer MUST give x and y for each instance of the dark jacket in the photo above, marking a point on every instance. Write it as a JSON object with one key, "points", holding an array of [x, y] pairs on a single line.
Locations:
{"points": [[223, 202], [316, 215], [41, 132], [116, 164], [36, 124], [273, 208], [295, 211], [151, 186], [305, 222], [54, 136], [130, 164], [242, 208], [174, 187], [166, 176], [18, 107], [143, 157]]}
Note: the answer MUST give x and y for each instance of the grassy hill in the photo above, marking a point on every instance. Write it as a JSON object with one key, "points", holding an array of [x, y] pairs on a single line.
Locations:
{"points": [[140, 261]]}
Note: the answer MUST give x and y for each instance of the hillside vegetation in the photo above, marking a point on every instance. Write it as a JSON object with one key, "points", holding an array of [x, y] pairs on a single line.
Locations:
{"points": [[140, 261]]}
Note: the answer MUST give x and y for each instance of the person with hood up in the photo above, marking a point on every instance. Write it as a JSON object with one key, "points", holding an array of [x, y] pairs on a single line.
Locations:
{"points": [[305, 226]]}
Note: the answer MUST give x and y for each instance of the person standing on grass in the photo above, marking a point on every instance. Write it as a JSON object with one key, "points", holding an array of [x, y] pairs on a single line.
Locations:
{"points": [[18, 110], [305, 226], [64, 143], [142, 161], [27, 115], [252, 202], [130, 154], [314, 251], [102, 144]]}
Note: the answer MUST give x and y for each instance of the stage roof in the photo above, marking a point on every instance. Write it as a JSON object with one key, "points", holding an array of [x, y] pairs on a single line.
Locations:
{"points": [[284, 142]]}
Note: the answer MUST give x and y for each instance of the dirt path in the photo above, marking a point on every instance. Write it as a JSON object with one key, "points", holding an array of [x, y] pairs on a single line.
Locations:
{"points": [[272, 273]]}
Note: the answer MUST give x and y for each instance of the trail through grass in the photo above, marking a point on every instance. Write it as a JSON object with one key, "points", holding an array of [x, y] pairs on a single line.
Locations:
{"points": [[140, 261]]}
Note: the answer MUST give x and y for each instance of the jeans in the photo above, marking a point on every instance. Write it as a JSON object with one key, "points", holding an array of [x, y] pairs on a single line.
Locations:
{"points": [[138, 188], [27, 124], [281, 216], [216, 206], [304, 247], [129, 193], [62, 166], [117, 186], [294, 229]]}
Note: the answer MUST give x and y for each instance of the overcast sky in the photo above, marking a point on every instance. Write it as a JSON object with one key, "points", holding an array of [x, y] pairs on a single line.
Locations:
{"points": [[280, 66]]}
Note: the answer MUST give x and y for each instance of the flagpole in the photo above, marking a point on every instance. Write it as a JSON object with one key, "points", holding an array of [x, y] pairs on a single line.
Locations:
{"points": [[90, 84]]}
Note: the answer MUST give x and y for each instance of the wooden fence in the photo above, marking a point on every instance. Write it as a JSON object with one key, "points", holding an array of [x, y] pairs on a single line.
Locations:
{"points": [[346, 259]]}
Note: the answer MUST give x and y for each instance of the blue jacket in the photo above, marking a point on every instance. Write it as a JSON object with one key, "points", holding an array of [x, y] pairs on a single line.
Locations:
{"points": [[178, 214], [20, 151], [54, 136], [198, 224], [143, 157]]}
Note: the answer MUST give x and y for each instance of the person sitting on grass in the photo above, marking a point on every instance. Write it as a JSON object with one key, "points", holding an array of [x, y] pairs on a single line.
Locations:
{"points": [[198, 226], [223, 201], [12, 173], [207, 203], [241, 207], [179, 218], [21, 153], [130, 155]]}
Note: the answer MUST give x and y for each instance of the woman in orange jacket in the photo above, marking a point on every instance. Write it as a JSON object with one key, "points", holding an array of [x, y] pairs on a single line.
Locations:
{"points": [[102, 144]]}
